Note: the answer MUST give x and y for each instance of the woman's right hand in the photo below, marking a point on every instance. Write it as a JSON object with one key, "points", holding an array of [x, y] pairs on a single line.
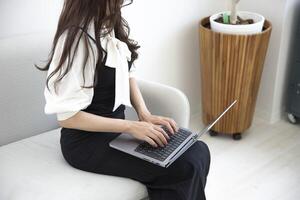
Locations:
{"points": [[151, 133]]}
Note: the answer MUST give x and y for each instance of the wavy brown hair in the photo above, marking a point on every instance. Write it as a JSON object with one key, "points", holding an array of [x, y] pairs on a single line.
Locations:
{"points": [[75, 19]]}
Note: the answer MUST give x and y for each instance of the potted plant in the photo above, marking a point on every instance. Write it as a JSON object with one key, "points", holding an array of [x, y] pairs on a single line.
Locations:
{"points": [[237, 22], [233, 46]]}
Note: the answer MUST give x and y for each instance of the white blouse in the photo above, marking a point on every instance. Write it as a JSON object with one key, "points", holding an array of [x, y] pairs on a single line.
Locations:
{"points": [[70, 97]]}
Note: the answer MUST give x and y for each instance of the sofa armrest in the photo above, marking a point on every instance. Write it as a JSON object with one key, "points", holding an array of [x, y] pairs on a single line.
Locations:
{"points": [[163, 100]]}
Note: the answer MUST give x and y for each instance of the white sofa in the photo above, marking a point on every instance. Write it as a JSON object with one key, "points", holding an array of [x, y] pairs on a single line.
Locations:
{"points": [[31, 163]]}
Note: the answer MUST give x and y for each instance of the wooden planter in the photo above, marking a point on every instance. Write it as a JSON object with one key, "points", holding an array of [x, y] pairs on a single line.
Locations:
{"points": [[231, 68]]}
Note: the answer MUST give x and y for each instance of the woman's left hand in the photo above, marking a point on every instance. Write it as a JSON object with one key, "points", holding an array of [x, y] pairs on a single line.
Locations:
{"points": [[160, 120]]}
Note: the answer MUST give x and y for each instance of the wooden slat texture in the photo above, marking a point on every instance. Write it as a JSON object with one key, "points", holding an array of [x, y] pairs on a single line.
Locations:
{"points": [[231, 68]]}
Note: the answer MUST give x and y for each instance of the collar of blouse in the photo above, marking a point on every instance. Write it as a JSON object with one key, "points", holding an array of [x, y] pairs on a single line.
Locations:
{"points": [[118, 55]]}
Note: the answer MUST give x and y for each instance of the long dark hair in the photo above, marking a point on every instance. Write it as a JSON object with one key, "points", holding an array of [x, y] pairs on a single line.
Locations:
{"points": [[80, 13]]}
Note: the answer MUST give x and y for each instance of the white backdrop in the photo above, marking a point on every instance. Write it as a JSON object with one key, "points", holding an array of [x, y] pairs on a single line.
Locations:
{"points": [[167, 31]]}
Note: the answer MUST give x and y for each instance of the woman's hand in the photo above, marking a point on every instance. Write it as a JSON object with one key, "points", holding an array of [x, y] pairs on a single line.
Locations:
{"points": [[146, 131], [159, 120]]}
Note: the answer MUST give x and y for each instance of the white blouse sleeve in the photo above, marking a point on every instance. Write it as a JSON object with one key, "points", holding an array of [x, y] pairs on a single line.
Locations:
{"points": [[132, 71], [70, 97]]}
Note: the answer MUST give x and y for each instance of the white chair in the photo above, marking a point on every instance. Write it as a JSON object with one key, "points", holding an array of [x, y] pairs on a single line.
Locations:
{"points": [[31, 163]]}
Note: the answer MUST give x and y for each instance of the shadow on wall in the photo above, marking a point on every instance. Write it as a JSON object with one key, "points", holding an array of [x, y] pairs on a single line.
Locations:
{"points": [[183, 57]]}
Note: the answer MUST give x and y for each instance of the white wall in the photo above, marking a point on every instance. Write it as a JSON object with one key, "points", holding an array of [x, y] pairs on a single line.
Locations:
{"points": [[168, 33], [27, 17]]}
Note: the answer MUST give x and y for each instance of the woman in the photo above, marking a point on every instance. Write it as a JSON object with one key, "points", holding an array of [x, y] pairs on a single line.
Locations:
{"points": [[90, 81]]}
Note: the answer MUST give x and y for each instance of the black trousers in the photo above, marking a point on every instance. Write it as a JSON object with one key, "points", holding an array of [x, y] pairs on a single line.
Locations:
{"points": [[184, 179]]}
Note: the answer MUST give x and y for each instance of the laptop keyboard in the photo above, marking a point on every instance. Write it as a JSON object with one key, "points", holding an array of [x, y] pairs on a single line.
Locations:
{"points": [[161, 153]]}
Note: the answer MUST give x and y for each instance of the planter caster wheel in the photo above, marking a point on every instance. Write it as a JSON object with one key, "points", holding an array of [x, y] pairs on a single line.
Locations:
{"points": [[237, 136], [213, 133], [292, 119]]}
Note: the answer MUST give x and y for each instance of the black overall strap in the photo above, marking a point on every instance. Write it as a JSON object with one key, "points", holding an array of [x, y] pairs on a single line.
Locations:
{"points": [[84, 32]]}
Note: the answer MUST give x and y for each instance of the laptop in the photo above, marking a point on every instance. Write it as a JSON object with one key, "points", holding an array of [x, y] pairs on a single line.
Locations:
{"points": [[162, 156]]}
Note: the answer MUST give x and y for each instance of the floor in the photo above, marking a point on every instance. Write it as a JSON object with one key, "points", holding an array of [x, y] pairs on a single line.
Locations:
{"points": [[264, 165]]}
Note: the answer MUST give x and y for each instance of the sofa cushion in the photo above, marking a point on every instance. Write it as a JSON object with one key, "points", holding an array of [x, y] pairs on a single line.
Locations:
{"points": [[34, 169]]}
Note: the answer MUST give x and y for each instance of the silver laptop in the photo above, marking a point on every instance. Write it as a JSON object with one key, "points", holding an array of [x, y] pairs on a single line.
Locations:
{"points": [[162, 156]]}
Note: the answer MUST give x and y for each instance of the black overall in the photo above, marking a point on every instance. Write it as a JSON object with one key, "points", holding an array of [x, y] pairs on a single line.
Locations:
{"points": [[184, 179]]}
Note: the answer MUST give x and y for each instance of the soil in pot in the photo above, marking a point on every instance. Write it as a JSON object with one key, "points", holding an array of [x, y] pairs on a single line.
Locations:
{"points": [[239, 21]]}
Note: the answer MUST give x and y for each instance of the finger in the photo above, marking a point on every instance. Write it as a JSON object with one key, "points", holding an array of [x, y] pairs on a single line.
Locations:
{"points": [[158, 128], [161, 135], [164, 132], [150, 141], [173, 124], [156, 120], [156, 138], [167, 124]]}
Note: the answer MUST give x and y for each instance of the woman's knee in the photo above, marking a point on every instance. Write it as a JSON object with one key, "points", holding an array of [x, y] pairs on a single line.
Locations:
{"points": [[204, 148], [204, 157], [196, 159]]}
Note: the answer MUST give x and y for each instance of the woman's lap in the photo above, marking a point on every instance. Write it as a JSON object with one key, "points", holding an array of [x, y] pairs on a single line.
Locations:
{"points": [[101, 158], [188, 172]]}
